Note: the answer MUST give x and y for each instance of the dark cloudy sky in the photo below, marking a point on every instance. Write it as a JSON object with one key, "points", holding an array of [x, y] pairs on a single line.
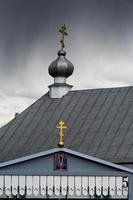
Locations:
{"points": [[99, 44]]}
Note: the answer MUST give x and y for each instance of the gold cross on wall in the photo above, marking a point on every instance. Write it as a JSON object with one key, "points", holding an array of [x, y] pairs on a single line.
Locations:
{"points": [[63, 32], [61, 126]]}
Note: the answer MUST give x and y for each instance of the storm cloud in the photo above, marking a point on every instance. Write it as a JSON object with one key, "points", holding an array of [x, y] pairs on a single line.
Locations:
{"points": [[99, 44]]}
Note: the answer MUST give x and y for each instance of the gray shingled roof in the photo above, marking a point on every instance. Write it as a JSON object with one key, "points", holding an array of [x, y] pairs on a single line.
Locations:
{"points": [[99, 123]]}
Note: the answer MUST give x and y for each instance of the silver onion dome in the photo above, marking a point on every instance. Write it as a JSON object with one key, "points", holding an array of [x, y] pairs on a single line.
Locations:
{"points": [[61, 67], [60, 70]]}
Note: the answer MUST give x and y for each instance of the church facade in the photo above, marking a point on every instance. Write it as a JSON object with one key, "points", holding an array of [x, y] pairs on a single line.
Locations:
{"points": [[70, 144]]}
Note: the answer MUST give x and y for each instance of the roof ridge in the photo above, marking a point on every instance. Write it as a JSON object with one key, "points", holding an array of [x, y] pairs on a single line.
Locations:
{"points": [[101, 88]]}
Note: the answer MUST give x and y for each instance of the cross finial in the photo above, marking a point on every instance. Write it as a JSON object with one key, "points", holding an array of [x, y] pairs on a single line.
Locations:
{"points": [[63, 32], [61, 126]]}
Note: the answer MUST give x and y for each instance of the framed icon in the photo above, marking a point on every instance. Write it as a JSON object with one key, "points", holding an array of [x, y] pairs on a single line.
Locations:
{"points": [[60, 161]]}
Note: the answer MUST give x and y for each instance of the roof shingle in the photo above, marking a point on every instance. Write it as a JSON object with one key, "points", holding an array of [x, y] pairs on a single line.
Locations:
{"points": [[99, 123]]}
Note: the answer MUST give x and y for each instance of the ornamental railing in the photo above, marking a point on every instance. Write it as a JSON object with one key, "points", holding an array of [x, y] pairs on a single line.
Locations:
{"points": [[110, 187]]}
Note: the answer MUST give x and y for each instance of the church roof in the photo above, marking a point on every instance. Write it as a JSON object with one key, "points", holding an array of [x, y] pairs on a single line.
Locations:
{"points": [[99, 123]]}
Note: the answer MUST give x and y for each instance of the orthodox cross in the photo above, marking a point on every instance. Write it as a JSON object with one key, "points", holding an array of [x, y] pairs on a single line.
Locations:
{"points": [[63, 32], [61, 126]]}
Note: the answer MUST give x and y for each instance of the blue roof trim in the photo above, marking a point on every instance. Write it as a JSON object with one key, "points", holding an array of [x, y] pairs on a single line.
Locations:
{"points": [[75, 153], [30, 157], [100, 161]]}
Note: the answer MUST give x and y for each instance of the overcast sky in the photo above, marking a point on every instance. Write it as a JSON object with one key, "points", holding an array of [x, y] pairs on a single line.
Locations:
{"points": [[99, 44]]}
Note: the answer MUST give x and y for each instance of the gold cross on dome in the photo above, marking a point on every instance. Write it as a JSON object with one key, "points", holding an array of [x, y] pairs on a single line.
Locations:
{"points": [[61, 126], [63, 32]]}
